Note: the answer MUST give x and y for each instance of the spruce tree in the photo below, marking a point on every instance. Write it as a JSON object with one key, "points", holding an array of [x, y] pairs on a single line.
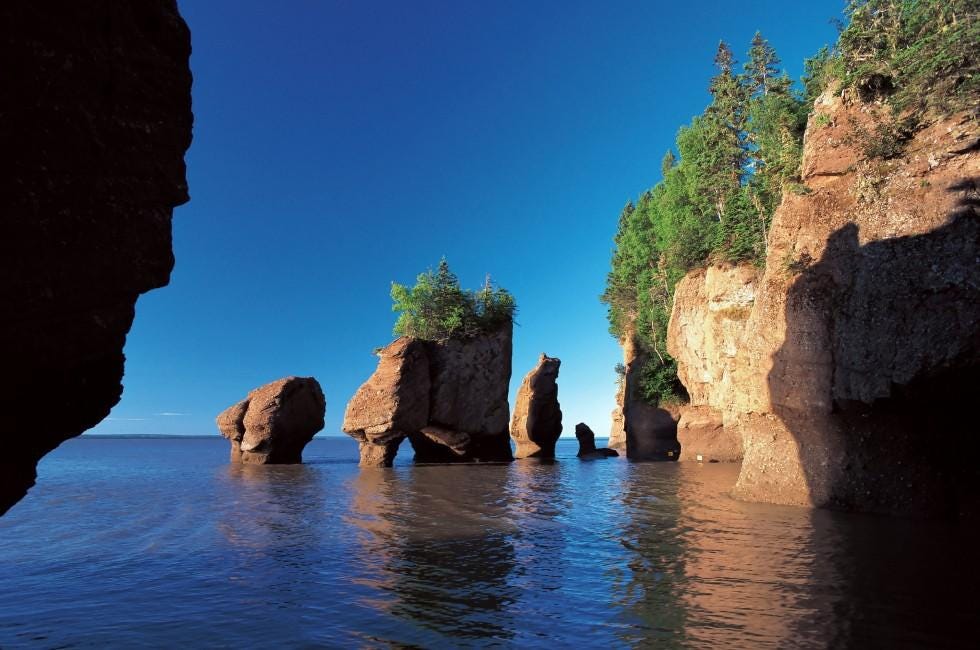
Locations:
{"points": [[762, 68]]}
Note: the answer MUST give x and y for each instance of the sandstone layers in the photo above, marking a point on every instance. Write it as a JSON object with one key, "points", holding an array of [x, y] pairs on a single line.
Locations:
{"points": [[641, 431], [449, 398], [586, 444], [275, 422], [96, 113], [856, 366], [536, 424], [711, 308]]}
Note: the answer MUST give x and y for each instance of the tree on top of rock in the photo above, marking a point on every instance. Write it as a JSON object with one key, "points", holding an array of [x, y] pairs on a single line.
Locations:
{"points": [[438, 309]]}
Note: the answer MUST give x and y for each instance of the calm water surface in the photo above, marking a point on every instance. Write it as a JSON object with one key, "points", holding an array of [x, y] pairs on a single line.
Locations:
{"points": [[160, 542]]}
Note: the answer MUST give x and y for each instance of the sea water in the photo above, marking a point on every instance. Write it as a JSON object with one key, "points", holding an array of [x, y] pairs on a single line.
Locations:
{"points": [[160, 542]]}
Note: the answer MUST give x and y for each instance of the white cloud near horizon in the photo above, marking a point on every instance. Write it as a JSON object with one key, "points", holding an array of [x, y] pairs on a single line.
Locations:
{"points": [[171, 414]]}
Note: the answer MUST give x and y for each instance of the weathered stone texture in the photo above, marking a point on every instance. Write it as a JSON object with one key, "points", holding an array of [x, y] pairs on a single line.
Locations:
{"points": [[536, 424], [275, 422]]}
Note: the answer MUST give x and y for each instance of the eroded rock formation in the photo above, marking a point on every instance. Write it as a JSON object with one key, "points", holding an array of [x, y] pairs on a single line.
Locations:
{"points": [[275, 422], [536, 425], [96, 113], [586, 444], [392, 403], [641, 431], [711, 308], [449, 398], [853, 380]]}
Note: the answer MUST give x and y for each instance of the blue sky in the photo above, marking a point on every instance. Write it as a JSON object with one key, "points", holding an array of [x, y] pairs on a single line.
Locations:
{"points": [[343, 145]]}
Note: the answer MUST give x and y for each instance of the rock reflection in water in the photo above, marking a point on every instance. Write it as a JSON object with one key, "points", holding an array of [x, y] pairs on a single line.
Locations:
{"points": [[275, 535], [187, 550], [435, 541]]}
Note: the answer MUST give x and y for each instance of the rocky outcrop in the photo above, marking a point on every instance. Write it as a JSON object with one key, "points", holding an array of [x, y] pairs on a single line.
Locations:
{"points": [[703, 436], [853, 379], [392, 403], [470, 384], [641, 431], [96, 113], [586, 444], [275, 422], [448, 397], [711, 308], [536, 425]]}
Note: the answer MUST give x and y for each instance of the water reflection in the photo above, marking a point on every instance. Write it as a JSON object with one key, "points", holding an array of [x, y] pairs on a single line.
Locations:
{"points": [[648, 587], [605, 554], [270, 519], [435, 542], [745, 577]]}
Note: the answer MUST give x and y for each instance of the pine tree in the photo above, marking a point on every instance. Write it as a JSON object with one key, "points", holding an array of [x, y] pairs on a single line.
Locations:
{"points": [[762, 69], [667, 163], [725, 121]]}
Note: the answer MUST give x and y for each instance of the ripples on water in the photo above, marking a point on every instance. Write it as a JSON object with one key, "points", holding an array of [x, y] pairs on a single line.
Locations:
{"points": [[159, 542]]}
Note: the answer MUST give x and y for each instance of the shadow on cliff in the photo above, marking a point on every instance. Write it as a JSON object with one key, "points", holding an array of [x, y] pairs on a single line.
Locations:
{"points": [[880, 365]]}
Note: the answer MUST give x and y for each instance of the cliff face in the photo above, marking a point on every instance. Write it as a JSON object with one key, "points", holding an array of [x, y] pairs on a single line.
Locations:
{"points": [[449, 398], [711, 308], [850, 383], [96, 119], [641, 431]]}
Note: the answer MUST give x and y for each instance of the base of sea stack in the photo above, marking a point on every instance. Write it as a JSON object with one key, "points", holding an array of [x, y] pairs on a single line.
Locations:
{"points": [[433, 445], [651, 433]]}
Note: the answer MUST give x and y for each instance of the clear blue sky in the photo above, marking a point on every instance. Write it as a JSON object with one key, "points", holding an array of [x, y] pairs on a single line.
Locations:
{"points": [[341, 145]]}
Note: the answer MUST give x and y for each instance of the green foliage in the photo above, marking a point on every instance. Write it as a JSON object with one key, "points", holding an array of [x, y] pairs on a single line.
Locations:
{"points": [[922, 54], [437, 309], [715, 200], [714, 203]]}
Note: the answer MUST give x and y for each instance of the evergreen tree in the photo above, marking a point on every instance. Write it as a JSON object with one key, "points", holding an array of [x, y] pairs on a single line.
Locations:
{"points": [[762, 69], [437, 309], [667, 163], [725, 125], [716, 197]]}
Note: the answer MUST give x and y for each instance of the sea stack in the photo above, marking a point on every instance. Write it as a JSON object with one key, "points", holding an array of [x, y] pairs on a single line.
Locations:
{"points": [[275, 422], [449, 398], [391, 404], [586, 444], [536, 425]]}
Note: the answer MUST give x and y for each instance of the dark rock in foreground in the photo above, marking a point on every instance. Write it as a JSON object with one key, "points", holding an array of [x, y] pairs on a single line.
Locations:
{"points": [[536, 425], [449, 398], [275, 422], [96, 108], [651, 433], [586, 444]]}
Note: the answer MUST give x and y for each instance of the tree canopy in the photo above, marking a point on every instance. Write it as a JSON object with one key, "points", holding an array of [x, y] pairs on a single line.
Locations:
{"points": [[437, 309]]}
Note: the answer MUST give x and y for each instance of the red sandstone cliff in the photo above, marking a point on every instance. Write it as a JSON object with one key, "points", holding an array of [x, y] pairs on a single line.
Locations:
{"points": [[96, 113], [860, 354], [641, 431], [711, 309]]}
